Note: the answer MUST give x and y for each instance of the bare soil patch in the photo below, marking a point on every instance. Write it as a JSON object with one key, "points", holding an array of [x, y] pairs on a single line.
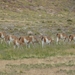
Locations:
{"points": [[58, 70]]}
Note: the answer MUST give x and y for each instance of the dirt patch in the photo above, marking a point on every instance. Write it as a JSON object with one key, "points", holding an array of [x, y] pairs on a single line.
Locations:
{"points": [[63, 70]]}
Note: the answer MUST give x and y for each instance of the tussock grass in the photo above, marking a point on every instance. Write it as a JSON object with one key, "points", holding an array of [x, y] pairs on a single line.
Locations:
{"points": [[61, 67], [41, 66], [12, 21], [8, 52]]}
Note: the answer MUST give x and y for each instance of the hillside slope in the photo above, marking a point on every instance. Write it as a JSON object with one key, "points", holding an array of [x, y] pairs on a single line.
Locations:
{"points": [[46, 5], [37, 13]]}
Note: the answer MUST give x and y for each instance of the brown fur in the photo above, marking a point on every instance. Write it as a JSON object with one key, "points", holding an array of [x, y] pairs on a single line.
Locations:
{"points": [[17, 43], [34, 39], [29, 39], [2, 36], [10, 38], [2, 33], [61, 36], [71, 37], [25, 37], [44, 38]]}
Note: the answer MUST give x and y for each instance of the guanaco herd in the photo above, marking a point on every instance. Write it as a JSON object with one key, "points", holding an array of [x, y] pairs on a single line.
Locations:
{"points": [[31, 39]]}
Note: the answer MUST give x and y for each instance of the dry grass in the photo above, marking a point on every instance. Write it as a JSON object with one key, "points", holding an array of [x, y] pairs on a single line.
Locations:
{"points": [[48, 66], [40, 16]]}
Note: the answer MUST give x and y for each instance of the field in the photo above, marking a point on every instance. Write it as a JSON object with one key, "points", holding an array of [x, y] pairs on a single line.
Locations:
{"points": [[50, 60], [46, 66], [17, 17]]}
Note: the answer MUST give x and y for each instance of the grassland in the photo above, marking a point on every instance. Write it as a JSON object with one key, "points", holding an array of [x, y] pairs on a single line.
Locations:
{"points": [[47, 66], [9, 53], [50, 60], [40, 16], [21, 16]]}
